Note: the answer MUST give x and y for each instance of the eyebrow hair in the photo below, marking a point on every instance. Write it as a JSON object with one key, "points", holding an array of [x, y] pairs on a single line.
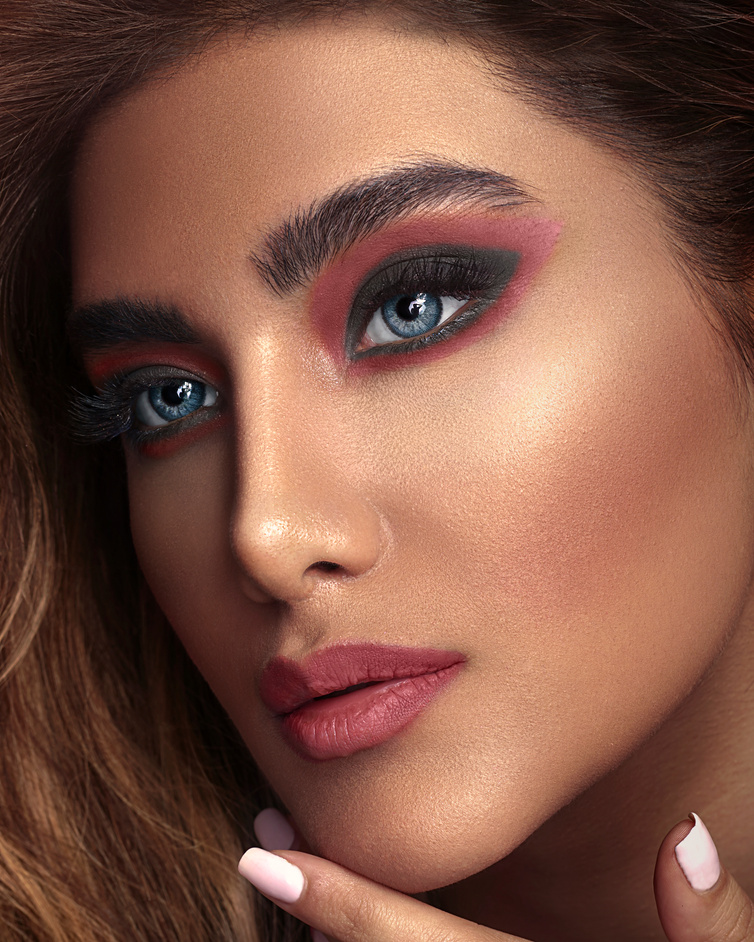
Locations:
{"points": [[296, 251], [104, 324]]}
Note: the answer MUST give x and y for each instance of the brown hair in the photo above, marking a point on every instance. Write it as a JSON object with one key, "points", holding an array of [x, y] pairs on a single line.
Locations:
{"points": [[125, 792]]}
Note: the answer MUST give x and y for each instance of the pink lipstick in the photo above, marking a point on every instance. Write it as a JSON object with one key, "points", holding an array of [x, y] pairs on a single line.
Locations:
{"points": [[323, 717]]}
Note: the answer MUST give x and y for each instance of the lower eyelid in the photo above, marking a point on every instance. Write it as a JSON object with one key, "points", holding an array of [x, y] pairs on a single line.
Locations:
{"points": [[478, 275], [463, 318]]}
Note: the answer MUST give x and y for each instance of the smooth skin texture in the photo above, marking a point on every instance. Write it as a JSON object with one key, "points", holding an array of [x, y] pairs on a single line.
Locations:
{"points": [[569, 500]]}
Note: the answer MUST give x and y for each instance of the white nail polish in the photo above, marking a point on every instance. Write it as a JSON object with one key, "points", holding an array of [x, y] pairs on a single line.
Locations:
{"points": [[273, 876], [697, 856]]}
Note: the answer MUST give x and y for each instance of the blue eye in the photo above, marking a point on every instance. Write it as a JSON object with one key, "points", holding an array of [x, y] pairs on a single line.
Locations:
{"points": [[140, 405], [161, 405], [404, 304], [410, 315]]}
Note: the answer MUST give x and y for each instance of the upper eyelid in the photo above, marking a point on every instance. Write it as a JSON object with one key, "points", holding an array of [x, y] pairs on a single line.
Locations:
{"points": [[469, 259], [395, 267], [157, 372], [494, 266]]}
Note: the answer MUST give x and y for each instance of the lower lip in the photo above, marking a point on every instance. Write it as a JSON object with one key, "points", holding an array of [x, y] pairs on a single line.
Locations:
{"points": [[339, 726]]}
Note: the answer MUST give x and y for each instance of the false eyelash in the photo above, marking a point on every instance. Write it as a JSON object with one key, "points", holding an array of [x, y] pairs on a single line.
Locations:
{"points": [[456, 276], [101, 417], [109, 413]]}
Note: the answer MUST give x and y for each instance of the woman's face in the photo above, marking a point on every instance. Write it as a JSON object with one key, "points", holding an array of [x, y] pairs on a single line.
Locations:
{"points": [[559, 490]]}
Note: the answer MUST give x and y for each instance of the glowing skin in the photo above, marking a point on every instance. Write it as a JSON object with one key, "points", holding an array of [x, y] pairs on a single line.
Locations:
{"points": [[567, 499]]}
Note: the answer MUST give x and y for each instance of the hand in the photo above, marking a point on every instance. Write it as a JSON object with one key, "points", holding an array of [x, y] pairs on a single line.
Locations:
{"points": [[345, 907]]}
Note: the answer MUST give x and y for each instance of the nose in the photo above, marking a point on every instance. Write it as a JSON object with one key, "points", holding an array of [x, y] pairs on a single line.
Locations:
{"points": [[300, 517]]}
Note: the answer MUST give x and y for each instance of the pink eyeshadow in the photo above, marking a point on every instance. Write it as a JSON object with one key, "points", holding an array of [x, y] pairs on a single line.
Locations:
{"points": [[332, 295]]}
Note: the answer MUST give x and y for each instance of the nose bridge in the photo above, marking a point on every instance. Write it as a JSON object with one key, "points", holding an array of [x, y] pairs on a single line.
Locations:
{"points": [[300, 516]]}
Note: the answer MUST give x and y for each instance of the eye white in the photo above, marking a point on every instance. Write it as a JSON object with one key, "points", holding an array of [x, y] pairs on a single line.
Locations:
{"points": [[378, 331]]}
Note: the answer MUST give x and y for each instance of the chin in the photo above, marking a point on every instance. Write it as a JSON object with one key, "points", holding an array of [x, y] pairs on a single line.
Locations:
{"points": [[409, 861], [417, 838]]}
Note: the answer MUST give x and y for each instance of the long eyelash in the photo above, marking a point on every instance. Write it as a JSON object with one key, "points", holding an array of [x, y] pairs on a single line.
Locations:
{"points": [[104, 416], [109, 413], [456, 276]]}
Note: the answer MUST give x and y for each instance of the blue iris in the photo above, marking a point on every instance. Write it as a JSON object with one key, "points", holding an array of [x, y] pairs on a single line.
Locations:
{"points": [[412, 314], [176, 400]]}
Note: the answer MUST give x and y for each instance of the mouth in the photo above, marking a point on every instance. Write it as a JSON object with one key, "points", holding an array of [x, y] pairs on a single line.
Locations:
{"points": [[351, 697]]}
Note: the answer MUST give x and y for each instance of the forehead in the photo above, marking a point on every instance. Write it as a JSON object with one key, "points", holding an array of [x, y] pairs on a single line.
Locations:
{"points": [[177, 183]]}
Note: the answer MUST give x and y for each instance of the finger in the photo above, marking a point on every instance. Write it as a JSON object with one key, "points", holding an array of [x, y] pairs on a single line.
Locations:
{"points": [[273, 831], [347, 907], [276, 831], [697, 899]]}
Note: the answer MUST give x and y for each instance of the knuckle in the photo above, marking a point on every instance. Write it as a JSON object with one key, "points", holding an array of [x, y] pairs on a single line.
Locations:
{"points": [[743, 929], [453, 934], [733, 922], [358, 917], [443, 935]]}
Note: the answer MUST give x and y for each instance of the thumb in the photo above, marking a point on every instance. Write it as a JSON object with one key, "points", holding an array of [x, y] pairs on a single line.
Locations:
{"points": [[697, 899]]}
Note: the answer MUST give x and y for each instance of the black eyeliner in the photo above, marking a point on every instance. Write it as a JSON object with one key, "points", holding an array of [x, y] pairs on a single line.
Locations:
{"points": [[109, 413], [449, 270], [446, 270]]}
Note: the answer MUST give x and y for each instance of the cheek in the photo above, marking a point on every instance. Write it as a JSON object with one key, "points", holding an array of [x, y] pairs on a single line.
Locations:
{"points": [[179, 509], [583, 529], [570, 506]]}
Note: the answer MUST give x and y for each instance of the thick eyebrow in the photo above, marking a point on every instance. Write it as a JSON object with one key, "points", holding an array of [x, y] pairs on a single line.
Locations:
{"points": [[103, 324], [296, 251]]}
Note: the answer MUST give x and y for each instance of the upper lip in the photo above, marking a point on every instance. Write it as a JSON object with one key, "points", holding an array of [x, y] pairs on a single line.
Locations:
{"points": [[286, 684]]}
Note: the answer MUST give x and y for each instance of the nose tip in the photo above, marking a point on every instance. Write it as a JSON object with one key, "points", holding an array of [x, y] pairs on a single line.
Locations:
{"points": [[289, 556]]}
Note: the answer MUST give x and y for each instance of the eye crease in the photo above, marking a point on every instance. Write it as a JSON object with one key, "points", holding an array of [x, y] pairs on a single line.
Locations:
{"points": [[412, 300]]}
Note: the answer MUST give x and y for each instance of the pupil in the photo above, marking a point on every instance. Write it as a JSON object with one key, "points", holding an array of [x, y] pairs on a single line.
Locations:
{"points": [[409, 308], [175, 395]]}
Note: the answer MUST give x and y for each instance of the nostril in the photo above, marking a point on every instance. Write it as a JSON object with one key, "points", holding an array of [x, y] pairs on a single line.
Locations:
{"points": [[324, 565]]}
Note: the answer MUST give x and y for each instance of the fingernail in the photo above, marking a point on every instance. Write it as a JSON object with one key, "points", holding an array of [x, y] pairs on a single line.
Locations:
{"points": [[272, 875], [273, 831], [317, 936], [697, 856]]}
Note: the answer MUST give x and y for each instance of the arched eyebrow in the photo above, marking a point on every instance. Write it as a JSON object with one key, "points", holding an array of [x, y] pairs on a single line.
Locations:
{"points": [[297, 250]]}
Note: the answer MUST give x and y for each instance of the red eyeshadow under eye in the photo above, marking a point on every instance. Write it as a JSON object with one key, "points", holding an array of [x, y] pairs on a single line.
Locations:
{"points": [[165, 447], [332, 294]]}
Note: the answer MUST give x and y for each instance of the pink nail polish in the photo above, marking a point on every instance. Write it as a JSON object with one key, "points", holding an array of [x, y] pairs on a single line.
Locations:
{"points": [[697, 856], [272, 875], [273, 831], [317, 936]]}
